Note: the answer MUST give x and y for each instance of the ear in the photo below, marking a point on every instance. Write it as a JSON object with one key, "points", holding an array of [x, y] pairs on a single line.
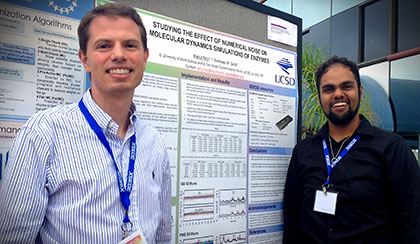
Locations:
{"points": [[146, 56], [83, 59], [361, 92], [319, 97]]}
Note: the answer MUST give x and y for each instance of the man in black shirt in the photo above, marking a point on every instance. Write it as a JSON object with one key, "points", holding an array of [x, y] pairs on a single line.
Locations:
{"points": [[351, 182]]}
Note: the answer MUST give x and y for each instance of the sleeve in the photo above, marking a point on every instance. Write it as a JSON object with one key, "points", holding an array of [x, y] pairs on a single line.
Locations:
{"points": [[23, 195], [163, 234], [404, 189], [291, 202]]}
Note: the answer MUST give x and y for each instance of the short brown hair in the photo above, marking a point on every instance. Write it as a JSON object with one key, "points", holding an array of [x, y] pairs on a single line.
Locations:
{"points": [[110, 9]]}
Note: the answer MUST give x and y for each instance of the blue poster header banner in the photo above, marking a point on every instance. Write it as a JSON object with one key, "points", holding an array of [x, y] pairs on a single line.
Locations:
{"points": [[271, 150], [74, 9]]}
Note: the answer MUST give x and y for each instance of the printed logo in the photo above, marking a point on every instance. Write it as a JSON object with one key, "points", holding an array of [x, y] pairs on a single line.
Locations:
{"points": [[63, 6], [285, 64]]}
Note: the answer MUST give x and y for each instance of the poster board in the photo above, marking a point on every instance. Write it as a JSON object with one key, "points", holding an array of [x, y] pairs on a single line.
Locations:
{"points": [[226, 102], [39, 64]]}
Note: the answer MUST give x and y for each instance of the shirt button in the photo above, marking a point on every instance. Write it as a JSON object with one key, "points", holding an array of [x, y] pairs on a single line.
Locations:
{"points": [[330, 230], [130, 214], [110, 126]]}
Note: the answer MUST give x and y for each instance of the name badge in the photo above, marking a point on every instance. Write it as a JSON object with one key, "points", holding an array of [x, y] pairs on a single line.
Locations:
{"points": [[135, 238], [325, 202]]}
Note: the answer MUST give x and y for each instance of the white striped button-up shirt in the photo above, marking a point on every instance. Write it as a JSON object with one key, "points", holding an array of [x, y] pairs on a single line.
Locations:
{"points": [[60, 185]]}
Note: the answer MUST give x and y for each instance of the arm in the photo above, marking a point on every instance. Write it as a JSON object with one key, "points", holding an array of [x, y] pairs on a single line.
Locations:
{"points": [[404, 191], [291, 203], [163, 234], [23, 196]]}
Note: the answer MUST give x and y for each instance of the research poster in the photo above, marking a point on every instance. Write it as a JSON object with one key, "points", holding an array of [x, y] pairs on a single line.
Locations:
{"points": [[227, 109], [39, 64]]}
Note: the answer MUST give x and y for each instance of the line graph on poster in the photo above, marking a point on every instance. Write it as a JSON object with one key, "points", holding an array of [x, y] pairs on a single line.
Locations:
{"points": [[232, 203], [199, 240], [233, 238], [198, 197], [198, 213], [232, 196]]}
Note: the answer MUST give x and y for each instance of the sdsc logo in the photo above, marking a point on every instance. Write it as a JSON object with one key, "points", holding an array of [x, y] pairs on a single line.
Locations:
{"points": [[285, 64]]}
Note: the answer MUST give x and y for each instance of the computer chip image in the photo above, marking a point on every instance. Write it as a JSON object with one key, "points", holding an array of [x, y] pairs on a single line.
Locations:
{"points": [[281, 124]]}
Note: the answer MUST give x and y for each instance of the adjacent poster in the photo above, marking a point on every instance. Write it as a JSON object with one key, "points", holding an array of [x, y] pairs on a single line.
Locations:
{"points": [[227, 109], [39, 64]]}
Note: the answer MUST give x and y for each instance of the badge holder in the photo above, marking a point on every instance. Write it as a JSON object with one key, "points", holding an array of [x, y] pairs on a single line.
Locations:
{"points": [[325, 201], [136, 238]]}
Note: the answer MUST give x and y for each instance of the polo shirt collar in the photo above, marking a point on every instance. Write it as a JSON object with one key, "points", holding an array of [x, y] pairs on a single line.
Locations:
{"points": [[103, 119], [363, 129]]}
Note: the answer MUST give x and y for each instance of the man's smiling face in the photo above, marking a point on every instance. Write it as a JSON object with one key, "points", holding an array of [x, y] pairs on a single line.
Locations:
{"points": [[115, 56], [339, 94]]}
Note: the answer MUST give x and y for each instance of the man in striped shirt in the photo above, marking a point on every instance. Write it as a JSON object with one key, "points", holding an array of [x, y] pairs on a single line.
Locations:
{"points": [[92, 172]]}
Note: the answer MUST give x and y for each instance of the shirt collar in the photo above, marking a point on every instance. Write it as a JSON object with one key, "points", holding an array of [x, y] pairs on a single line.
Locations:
{"points": [[103, 119], [365, 128], [362, 129], [133, 116]]}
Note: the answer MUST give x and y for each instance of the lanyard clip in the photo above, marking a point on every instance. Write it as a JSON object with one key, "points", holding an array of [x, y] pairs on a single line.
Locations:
{"points": [[126, 227], [325, 188], [326, 185]]}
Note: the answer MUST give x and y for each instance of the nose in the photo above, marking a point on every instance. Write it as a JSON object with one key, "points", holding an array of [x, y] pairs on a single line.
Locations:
{"points": [[338, 93], [118, 53]]}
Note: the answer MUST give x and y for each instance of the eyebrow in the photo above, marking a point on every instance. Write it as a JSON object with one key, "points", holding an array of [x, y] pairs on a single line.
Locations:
{"points": [[347, 82], [109, 40]]}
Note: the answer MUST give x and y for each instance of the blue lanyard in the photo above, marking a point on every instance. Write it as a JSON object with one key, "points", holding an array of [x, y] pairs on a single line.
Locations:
{"points": [[331, 165], [124, 191]]}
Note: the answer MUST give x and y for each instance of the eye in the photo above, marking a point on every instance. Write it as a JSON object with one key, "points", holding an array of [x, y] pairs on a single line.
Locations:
{"points": [[348, 87], [327, 89], [132, 45], [103, 46]]}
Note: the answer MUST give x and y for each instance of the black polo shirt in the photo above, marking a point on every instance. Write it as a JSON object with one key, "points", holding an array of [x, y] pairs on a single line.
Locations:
{"points": [[378, 185]]}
